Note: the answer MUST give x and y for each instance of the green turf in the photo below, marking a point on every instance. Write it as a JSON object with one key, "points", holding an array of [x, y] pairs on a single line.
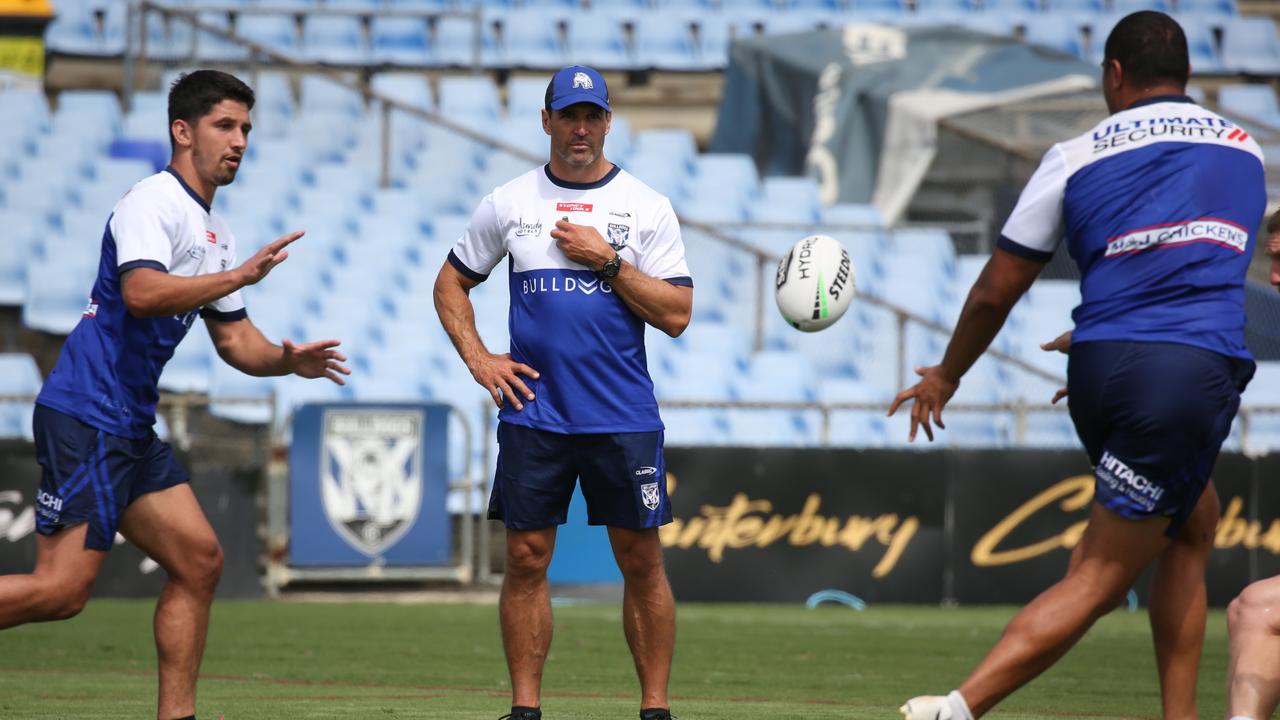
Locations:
{"points": [[295, 660]]}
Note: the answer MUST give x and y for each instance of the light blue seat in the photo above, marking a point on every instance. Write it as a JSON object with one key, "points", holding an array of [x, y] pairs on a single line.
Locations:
{"points": [[408, 88], [978, 429], [103, 106], [21, 229], [1250, 45], [532, 39], [696, 427], [1053, 32], [1124, 7], [215, 48], [774, 428], [334, 39], [672, 145], [471, 97], [1252, 102], [18, 376], [322, 95], [788, 200], [401, 41], [712, 36], [1208, 7], [1264, 389], [599, 41], [713, 337], [663, 175], [697, 376], [75, 32], [526, 97], [776, 376], [855, 214], [665, 43], [58, 293], [191, 367], [278, 33], [1202, 47], [455, 43]]}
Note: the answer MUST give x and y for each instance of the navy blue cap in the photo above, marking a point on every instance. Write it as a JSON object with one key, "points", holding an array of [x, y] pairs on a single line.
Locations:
{"points": [[577, 84]]}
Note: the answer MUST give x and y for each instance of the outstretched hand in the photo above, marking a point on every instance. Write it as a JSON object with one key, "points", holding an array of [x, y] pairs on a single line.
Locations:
{"points": [[931, 394], [265, 260], [316, 360], [1062, 344], [500, 376]]}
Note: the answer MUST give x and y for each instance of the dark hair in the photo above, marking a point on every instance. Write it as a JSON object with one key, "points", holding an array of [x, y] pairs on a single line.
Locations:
{"points": [[1273, 223], [1151, 48], [194, 94], [546, 99]]}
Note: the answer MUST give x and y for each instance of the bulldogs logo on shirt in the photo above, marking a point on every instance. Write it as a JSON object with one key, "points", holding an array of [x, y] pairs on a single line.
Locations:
{"points": [[618, 235]]}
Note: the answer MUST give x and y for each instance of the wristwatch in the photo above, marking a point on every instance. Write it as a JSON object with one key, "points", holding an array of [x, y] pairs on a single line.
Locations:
{"points": [[611, 268]]}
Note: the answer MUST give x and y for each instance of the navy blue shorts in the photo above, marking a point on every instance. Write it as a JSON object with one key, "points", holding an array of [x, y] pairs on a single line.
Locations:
{"points": [[92, 476], [1152, 417], [624, 478]]}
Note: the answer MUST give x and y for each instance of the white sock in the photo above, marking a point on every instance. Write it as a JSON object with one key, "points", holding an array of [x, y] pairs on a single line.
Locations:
{"points": [[1241, 717], [959, 708]]}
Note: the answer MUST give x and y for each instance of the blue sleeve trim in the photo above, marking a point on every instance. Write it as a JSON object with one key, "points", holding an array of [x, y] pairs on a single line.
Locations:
{"points": [[234, 315], [682, 281], [466, 271], [135, 264], [1022, 251]]}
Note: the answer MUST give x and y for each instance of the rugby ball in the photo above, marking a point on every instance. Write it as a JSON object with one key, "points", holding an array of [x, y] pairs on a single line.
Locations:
{"points": [[815, 283]]}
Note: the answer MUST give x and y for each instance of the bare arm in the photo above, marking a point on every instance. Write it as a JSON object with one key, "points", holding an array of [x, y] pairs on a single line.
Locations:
{"points": [[659, 303], [1005, 279], [496, 373], [152, 293], [243, 346]]}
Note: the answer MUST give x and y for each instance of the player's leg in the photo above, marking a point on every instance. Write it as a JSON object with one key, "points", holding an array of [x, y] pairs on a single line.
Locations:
{"points": [[624, 481], [648, 610], [1115, 551], [169, 526], [524, 607], [532, 488], [75, 521], [59, 587], [1178, 604], [1253, 678]]}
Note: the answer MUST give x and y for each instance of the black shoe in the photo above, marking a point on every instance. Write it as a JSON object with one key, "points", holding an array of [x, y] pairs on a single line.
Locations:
{"points": [[523, 713], [656, 714]]}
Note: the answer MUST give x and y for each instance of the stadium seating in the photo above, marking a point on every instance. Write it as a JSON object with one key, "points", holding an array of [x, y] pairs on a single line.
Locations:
{"points": [[313, 165]]}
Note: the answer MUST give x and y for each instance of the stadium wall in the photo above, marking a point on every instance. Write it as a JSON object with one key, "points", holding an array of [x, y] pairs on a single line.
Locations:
{"points": [[982, 526], [228, 493]]}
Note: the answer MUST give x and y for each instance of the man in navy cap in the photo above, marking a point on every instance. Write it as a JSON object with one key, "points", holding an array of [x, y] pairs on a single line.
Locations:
{"points": [[595, 256]]}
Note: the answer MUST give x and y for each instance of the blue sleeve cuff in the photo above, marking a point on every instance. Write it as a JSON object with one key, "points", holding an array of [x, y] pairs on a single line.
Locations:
{"points": [[135, 264], [681, 280], [234, 315], [1022, 251], [466, 271]]}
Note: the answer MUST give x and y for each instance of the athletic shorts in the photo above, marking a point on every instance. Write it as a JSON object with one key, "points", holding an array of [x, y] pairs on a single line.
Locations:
{"points": [[1152, 417], [91, 476], [624, 478]]}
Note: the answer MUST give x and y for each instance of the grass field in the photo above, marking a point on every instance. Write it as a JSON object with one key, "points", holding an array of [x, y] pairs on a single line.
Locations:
{"points": [[361, 660]]}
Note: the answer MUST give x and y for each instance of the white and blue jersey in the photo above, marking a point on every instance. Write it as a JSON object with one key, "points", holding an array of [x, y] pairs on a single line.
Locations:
{"points": [[108, 373], [565, 322], [1160, 204]]}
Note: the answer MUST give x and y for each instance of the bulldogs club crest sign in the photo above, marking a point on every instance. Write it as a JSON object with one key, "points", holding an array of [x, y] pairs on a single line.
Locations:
{"points": [[371, 475]]}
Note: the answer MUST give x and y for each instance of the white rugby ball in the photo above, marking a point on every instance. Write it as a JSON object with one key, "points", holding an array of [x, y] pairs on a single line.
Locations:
{"points": [[815, 283]]}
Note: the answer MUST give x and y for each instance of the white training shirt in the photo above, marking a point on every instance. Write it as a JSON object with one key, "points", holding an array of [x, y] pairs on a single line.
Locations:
{"points": [[108, 373], [565, 322]]}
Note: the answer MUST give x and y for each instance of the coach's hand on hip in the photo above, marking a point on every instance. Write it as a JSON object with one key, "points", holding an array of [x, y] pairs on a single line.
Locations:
{"points": [[931, 395], [500, 375], [582, 244]]}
